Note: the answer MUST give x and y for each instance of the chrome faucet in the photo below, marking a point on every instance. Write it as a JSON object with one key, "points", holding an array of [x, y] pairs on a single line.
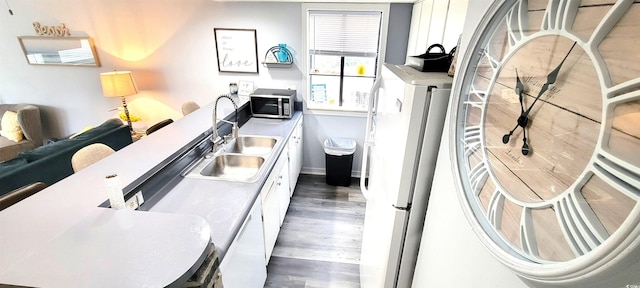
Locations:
{"points": [[217, 140]]}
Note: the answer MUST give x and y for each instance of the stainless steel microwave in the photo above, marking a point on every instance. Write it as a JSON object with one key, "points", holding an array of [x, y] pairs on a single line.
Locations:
{"points": [[272, 103]]}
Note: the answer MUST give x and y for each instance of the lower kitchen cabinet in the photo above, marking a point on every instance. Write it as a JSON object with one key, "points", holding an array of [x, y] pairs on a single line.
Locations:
{"points": [[284, 195], [277, 190], [270, 217], [244, 264], [295, 156], [273, 203]]}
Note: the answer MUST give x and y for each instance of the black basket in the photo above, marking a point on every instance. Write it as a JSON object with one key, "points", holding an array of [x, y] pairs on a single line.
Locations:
{"points": [[432, 61]]}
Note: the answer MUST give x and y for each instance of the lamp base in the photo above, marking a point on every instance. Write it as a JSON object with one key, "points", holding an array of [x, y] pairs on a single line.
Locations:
{"points": [[126, 112]]}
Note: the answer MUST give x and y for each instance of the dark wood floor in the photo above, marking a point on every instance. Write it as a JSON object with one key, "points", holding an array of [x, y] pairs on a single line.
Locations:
{"points": [[319, 242]]}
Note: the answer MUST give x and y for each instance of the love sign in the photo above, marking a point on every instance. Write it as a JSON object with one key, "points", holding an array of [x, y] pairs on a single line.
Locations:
{"points": [[236, 50]]}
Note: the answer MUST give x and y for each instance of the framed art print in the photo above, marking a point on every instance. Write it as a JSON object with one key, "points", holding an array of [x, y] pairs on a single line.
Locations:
{"points": [[245, 87], [236, 50]]}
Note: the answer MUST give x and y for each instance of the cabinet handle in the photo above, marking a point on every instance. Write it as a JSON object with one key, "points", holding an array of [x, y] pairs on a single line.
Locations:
{"points": [[270, 189]]}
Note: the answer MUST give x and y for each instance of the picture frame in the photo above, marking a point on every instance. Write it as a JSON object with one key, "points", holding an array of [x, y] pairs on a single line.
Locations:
{"points": [[245, 88], [319, 93], [236, 50]]}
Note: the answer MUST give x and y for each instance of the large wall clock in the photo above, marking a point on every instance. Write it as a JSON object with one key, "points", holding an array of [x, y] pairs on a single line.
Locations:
{"points": [[546, 139]]}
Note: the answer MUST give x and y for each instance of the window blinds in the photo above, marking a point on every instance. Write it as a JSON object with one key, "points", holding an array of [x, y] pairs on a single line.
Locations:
{"points": [[344, 33]]}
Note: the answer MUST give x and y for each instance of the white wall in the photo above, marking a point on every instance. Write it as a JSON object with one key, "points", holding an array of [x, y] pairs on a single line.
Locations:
{"points": [[450, 254], [168, 45], [317, 128]]}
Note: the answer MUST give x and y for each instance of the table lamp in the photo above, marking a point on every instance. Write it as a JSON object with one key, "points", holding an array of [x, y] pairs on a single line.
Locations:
{"points": [[119, 84]]}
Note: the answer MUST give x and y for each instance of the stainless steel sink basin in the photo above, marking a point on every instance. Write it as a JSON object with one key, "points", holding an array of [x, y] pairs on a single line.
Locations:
{"points": [[255, 145], [240, 160], [233, 167]]}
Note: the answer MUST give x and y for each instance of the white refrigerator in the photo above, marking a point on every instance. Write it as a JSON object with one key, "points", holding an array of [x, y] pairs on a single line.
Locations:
{"points": [[405, 120]]}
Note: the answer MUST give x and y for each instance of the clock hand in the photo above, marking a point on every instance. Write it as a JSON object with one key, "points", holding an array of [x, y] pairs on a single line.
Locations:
{"points": [[520, 91], [525, 147], [551, 78], [522, 122]]}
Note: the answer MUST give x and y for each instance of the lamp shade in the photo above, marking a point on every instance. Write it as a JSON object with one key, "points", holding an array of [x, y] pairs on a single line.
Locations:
{"points": [[118, 84]]}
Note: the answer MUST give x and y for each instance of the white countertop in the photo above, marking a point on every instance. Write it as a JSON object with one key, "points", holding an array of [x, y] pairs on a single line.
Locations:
{"points": [[62, 232], [116, 248], [225, 204]]}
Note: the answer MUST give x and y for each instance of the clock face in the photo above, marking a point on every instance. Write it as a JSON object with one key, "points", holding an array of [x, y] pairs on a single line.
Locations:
{"points": [[547, 133]]}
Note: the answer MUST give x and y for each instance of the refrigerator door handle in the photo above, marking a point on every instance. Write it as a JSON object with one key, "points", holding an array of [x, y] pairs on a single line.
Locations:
{"points": [[371, 112], [363, 171], [369, 137]]}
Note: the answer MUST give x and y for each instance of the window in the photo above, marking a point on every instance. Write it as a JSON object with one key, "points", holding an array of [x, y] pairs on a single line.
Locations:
{"points": [[343, 55]]}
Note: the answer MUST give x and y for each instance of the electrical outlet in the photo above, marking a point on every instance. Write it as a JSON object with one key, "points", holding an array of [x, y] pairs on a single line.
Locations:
{"points": [[140, 198], [134, 202]]}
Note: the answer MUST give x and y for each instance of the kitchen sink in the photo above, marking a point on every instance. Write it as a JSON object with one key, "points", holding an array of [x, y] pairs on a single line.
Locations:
{"points": [[240, 160], [255, 145], [234, 167]]}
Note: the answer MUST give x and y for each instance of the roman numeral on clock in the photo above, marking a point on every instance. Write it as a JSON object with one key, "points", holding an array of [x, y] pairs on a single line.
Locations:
{"points": [[560, 15], [518, 23]]}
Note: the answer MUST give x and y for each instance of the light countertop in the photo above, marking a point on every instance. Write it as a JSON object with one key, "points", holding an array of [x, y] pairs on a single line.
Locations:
{"points": [[60, 236], [225, 204]]}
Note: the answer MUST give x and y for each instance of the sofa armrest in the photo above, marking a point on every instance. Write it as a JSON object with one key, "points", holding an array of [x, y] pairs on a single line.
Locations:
{"points": [[29, 119]]}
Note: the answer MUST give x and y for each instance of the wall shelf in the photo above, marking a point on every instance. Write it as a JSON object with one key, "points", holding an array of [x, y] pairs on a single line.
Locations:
{"points": [[277, 64], [274, 56]]}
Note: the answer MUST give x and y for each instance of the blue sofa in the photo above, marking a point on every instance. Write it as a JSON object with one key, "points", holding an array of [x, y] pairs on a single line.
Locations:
{"points": [[51, 163]]}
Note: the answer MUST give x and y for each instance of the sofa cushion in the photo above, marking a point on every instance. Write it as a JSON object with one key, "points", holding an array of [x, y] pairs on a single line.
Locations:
{"points": [[56, 165], [10, 126], [13, 162], [85, 129], [98, 130], [46, 150]]}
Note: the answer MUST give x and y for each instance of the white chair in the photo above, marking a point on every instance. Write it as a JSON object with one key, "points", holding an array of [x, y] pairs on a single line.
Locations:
{"points": [[89, 154], [189, 107]]}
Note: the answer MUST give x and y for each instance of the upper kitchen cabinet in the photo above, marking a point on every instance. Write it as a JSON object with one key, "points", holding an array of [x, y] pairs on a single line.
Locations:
{"points": [[436, 21]]}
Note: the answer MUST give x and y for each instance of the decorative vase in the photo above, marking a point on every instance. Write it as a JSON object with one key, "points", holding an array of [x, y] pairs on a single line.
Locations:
{"points": [[282, 53]]}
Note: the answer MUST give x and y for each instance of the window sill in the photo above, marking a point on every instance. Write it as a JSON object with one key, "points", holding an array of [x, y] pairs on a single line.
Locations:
{"points": [[335, 112]]}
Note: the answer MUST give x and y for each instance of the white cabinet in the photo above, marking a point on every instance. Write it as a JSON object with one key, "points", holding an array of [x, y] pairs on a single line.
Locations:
{"points": [[436, 22], [244, 264], [295, 156], [270, 215], [420, 23], [275, 201], [283, 187], [277, 190], [455, 23]]}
